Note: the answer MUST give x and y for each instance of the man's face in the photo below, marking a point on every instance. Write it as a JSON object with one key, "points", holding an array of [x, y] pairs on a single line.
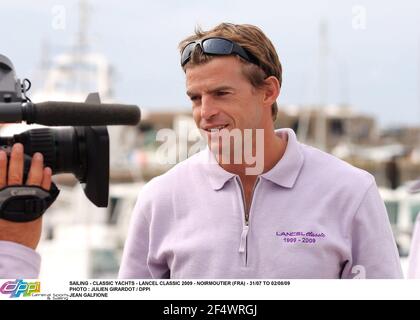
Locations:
{"points": [[222, 97]]}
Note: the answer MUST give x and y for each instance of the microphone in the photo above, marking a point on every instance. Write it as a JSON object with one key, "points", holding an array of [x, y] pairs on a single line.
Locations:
{"points": [[58, 113]]}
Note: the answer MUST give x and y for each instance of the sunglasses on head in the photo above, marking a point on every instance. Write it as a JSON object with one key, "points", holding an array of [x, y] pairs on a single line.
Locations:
{"points": [[218, 47]]}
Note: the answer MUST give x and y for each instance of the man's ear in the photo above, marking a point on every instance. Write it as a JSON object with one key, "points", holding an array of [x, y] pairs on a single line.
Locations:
{"points": [[271, 90]]}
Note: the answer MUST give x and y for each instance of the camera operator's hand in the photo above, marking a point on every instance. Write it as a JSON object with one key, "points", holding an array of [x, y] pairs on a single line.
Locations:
{"points": [[26, 233]]}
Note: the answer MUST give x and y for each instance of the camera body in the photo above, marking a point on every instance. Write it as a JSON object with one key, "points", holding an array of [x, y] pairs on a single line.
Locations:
{"points": [[80, 150]]}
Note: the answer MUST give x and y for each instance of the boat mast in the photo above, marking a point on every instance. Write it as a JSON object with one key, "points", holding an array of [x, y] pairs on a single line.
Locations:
{"points": [[321, 121]]}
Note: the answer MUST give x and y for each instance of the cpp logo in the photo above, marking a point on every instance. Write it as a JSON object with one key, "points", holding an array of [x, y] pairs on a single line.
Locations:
{"points": [[20, 287]]}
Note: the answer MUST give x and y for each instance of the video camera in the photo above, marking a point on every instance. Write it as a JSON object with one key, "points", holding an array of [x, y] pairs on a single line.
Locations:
{"points": [[82, 149]]}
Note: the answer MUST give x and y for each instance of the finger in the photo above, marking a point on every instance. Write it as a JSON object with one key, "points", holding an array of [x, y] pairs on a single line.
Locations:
{"points": [[46, 180], [15, 173], [36, 170], [3, 168]]}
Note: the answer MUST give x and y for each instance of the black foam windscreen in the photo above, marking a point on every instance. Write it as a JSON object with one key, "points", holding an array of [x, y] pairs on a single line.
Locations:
{"points": [[57, 113]]}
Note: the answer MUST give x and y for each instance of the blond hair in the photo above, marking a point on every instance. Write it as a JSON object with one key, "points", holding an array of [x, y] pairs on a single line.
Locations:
{"points": [[254, 41]]}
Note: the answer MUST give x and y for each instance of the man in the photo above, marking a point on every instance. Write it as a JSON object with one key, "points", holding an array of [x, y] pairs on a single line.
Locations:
{"points": [[306, 215], [295, 212]]}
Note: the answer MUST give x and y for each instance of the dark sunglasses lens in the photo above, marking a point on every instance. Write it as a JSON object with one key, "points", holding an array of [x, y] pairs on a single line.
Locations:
{"points": [[187, 52], [217, 46]]}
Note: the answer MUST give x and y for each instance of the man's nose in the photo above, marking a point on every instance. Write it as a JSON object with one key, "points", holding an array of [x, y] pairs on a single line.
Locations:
{"points": [[208, 108]]}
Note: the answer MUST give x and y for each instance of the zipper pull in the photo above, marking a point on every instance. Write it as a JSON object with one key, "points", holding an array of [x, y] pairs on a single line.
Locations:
{"points": [[243, 239]]}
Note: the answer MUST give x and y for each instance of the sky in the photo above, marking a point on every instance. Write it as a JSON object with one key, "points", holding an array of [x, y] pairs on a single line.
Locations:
{"points": [[373, 61]]}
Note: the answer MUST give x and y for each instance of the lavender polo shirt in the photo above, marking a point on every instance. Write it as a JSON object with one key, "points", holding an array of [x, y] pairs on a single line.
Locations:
{"points": [[312, 216]]}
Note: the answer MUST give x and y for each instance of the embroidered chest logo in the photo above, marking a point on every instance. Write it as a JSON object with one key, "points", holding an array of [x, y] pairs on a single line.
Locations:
{"points": [[300, 237]]}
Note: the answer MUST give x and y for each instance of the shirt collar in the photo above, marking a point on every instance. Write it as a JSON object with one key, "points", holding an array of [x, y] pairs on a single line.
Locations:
{"points": [[284, 173], [216, 174]]}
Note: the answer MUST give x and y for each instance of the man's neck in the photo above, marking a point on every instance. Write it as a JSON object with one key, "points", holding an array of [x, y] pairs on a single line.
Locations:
{"points": [[273, 148]]}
